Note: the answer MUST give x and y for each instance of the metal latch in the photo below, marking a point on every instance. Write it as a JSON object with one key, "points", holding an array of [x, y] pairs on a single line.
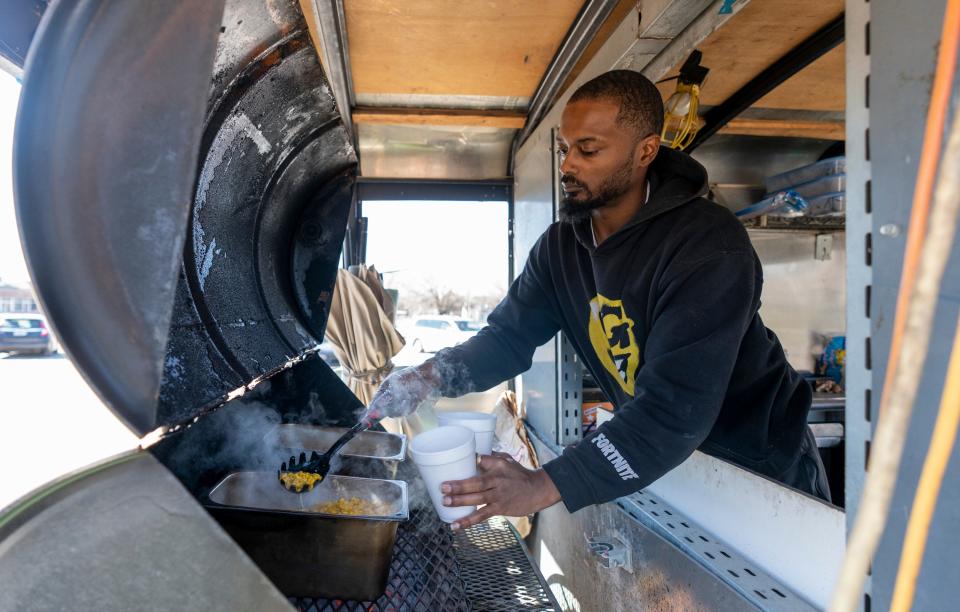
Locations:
{"points": [[611, 551], [823, 247]]}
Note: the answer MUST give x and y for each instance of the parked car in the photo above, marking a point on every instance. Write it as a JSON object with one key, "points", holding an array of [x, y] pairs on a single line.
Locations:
{"points": [[429, 334], [25, 333]]}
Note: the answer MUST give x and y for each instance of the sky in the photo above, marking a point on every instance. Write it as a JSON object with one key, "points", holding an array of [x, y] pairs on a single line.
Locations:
{"points": [[12, 268], [460, 246]]}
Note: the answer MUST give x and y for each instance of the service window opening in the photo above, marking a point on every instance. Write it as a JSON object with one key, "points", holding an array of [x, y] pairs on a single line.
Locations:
{"points": [[448, 262]]}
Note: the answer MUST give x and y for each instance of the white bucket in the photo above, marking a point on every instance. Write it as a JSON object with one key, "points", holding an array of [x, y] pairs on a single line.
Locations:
{"points": [[482, 424], [444, 454]]}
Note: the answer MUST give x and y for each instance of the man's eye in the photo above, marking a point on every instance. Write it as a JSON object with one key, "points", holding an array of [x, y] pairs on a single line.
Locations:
{"points": [[587, 153]]}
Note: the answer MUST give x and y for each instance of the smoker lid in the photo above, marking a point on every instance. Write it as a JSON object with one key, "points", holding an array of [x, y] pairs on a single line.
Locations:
{"points": [[124, 534], [182, 186]]}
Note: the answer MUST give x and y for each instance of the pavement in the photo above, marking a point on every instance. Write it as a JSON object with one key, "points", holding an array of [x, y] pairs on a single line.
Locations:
{"points": [[51, 423]]}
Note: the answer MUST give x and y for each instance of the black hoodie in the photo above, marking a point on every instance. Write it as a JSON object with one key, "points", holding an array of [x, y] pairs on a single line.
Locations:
{"points": [[664, 314]]}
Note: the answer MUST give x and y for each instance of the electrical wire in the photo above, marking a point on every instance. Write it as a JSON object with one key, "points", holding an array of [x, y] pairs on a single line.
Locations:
{"points": [[919, 290], [927, 171], [931, 478]]}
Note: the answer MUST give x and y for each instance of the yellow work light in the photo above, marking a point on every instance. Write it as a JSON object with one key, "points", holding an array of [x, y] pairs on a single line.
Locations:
{"points": [[680, 112]]}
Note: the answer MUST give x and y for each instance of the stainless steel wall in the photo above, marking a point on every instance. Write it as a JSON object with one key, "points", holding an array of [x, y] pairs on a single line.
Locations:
{"points": [[737, 165], [803, 297], [533, 212]]}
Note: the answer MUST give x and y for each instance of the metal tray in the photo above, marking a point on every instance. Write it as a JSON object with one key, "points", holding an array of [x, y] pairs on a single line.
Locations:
{"points": [[805, 174], [836, 183], [827, 205], [791, 205], [371, 454], [306, 553]]}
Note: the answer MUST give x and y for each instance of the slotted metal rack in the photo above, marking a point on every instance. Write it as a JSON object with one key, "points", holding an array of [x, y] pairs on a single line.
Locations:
{"points": [[483, 568]]}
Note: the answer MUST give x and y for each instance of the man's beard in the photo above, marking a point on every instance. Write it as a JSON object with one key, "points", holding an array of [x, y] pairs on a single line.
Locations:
{"points": [[572, 210]]}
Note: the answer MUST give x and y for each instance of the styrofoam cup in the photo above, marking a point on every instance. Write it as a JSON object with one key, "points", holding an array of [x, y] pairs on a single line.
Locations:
{"points": [[442, 454], [482, 424]]}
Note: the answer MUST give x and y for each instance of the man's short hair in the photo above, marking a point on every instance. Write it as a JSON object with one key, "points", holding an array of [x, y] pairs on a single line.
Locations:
{"points": [[641, 107]]}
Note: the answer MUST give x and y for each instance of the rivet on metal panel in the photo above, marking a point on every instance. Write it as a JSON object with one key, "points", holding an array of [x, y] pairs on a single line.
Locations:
{"points": [[890, 229]]}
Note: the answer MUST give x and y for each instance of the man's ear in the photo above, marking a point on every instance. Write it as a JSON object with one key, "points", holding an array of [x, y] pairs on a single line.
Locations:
{"points": [[646, 150]]}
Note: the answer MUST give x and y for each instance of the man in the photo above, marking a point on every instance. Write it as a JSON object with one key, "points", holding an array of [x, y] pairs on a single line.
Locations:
{"points": [[658, 290]]}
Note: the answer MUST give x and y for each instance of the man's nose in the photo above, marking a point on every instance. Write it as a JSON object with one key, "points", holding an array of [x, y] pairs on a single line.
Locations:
{"points": [[567, 168]]}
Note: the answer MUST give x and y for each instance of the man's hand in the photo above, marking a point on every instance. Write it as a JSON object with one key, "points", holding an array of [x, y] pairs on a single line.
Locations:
{"points": [[506, 487], [403, 391]]}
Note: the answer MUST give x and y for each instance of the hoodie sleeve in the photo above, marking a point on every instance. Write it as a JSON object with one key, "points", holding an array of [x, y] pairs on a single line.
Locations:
{"points": [[520, 323], [701, 315]]}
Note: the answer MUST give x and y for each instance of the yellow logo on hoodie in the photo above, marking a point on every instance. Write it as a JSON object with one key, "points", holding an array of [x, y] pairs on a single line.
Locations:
{"points": [[611, 334]]}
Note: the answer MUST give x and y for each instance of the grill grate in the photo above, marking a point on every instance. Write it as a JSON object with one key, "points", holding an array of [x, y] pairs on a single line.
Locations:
{"points": [[485, 568], [498, 573], [424, 573]]}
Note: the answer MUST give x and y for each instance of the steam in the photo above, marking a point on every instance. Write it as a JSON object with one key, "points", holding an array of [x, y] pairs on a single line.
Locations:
{"points": [[230, 439], [314, 412], [406, 391], [402, 393], [243, 435], [453, 372]]}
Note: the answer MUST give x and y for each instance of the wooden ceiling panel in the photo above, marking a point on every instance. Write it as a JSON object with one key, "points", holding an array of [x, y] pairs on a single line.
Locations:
{"points": [[763, 32], [758, 36], [451, 47], [825, 130], [820, 86]]}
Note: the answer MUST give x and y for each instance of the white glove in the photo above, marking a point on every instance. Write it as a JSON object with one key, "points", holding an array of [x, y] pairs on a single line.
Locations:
{"points": [[403, 392]]}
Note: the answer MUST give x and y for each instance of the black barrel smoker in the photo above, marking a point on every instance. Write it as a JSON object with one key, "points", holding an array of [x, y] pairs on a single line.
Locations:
{"points": [[184, 188]]}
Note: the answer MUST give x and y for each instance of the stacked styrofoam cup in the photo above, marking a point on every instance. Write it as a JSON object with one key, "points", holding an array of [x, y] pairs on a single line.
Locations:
{"points": [[443, 454], [483, 426]]}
